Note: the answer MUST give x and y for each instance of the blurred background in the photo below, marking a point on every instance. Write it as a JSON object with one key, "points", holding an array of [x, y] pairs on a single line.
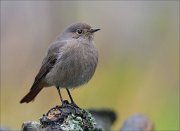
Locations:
{"points": [[138, 70]]}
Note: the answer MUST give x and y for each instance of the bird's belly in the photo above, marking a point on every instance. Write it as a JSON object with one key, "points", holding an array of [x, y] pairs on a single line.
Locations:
{"points": [[72, 73], [77, 76]]}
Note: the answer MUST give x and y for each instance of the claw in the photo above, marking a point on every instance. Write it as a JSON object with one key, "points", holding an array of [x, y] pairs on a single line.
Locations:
{"points": [[65, 103], [74, 104]]}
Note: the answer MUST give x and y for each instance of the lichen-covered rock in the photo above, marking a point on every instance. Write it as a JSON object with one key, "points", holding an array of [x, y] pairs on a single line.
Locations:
{"points": [[31, 126], [62, 118]]}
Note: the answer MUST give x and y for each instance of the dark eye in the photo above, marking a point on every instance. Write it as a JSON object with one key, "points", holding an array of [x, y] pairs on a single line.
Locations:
{"points": [[79, 31]]}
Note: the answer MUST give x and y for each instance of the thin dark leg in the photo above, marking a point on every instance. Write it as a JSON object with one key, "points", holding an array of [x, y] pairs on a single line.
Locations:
{"points": [[60, 94], [72, 101]]}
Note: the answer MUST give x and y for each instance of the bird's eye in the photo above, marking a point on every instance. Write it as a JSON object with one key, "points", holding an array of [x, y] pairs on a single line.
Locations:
{"points": [[79, 31]]}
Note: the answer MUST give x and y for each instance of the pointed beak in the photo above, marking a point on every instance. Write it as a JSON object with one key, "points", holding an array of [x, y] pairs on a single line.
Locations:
{"points": [[94, 30]]}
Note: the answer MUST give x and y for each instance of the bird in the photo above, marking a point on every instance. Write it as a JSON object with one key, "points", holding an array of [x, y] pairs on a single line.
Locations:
{"points": [[70, 62]]}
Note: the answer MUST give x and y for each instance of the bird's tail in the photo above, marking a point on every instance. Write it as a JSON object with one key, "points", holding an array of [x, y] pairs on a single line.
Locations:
{"points": [[32, 94]]}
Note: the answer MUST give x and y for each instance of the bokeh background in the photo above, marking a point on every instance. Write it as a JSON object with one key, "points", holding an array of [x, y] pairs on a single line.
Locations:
{"points": [[138, 69]]}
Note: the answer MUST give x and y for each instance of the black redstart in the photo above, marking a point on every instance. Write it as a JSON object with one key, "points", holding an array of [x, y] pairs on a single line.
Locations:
{"points": [[70, 62]]}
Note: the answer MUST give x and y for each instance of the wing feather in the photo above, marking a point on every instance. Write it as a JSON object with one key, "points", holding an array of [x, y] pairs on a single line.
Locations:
{"points": [[48, 62]]}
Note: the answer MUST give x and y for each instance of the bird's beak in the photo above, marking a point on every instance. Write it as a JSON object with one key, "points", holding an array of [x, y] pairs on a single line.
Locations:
{"points": [[93, 30]]}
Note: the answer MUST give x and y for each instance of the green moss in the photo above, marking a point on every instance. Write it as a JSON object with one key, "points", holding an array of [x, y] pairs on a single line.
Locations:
{"points": [[65, 117]]}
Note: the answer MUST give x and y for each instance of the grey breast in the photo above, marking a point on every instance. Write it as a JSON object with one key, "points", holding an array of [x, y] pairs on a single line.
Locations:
{"points": [[75, 65]]}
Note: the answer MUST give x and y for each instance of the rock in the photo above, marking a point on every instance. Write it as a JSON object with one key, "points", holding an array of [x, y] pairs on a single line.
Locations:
{"points": [[64, 117], [137, 122], [104, 118]]}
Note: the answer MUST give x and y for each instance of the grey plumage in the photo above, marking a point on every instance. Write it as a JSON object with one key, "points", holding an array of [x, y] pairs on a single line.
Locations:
{"points": [[70, 62]]}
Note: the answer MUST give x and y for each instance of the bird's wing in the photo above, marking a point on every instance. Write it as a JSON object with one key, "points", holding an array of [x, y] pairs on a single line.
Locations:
{"points": [[48, 62]]}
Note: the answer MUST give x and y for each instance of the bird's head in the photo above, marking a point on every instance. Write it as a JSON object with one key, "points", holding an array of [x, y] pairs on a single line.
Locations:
{"points": [[80, 31]]}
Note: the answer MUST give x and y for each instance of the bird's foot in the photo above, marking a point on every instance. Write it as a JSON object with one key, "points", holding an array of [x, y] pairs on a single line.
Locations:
{"points": [[70, 106], [74, 104], [65, 103]]}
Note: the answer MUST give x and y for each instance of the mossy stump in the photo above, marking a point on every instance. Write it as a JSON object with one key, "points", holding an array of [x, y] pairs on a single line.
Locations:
{"points": [[63, 118]]}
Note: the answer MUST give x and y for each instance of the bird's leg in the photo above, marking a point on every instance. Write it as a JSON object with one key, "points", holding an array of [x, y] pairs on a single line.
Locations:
{"points": [[60, 94], [72, 101]]}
